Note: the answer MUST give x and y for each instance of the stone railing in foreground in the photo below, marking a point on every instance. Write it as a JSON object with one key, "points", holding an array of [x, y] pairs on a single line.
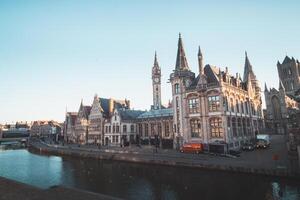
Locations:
{"points": [[12, 190], [164, 159]]}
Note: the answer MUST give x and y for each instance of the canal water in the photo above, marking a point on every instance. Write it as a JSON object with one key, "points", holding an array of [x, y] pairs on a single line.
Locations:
{"points": [[135, 181]]}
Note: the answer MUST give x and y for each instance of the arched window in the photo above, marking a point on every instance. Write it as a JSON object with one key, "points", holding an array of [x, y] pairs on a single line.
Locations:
{"points": [[176, 88], [195, 127], [216, 129]]}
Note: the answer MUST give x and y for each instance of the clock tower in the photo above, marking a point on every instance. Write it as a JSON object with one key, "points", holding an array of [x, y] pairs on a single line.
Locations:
{"points": [[156, 84]]}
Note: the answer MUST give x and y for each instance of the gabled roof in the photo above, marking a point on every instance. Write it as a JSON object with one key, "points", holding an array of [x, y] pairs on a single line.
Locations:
{"points": [[168, 112], [211, 73], [105, 104]]}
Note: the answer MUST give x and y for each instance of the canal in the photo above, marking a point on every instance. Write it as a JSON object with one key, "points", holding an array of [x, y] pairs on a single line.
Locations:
{"points": [[134, 181]]}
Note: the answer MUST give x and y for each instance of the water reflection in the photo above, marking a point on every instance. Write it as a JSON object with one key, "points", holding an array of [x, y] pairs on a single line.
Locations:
{"points": [[40, 171], [134, 181]]}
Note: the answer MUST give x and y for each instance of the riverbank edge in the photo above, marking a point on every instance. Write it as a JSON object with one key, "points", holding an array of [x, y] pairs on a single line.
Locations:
{"points": [[11, 190], [155, 161]]}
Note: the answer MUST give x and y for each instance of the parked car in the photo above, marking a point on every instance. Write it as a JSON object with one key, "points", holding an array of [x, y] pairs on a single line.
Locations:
{"points": [[248, 147], [235, 152], [262, 144], [264, 137], [191, 148]]}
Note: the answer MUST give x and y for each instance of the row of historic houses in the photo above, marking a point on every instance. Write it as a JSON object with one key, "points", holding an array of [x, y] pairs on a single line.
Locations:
{"points": [[210, 107]]}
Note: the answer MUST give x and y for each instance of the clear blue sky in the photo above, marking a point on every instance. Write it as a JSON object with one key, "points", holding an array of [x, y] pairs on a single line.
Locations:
{"points": [[54, 53]]}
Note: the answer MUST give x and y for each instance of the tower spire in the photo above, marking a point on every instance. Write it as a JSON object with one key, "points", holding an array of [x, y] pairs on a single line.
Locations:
{"points": [[200, 61], [155, 60], [247, 68], [181, 62], [156, 84]]}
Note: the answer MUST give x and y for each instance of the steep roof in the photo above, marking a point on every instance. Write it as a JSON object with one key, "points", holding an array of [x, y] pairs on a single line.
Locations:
{"points": [[105, 104], [129, 114], [248, 69], [181, 61]]}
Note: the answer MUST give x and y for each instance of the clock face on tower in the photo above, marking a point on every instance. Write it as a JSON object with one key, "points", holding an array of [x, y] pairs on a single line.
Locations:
{"points": [[156, 79]]}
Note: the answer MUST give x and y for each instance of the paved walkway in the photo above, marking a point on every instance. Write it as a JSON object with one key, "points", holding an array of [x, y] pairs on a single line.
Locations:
{"points": [[254, 161]]}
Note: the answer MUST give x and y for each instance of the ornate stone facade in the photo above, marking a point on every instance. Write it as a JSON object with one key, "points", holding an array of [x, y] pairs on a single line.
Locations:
{"points": [[214, 106]]}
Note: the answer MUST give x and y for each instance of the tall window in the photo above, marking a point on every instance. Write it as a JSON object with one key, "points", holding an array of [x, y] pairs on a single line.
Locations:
{"points": [[152, 129], [242, 107], [213, 103], [140, 129], [124, 128], [177, 102], [247, 107], [234, 130], [216, 129], [167, 129], [231, 105], [194, 105], [225, 103], [176, 88], [195, 127], [237, 106], [239, 125], [131, 128], [117, 129], [146, 130], [159, 128]]}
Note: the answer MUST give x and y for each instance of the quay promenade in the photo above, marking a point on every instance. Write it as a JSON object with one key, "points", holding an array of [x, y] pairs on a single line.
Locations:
{"points": [[258, 162]]}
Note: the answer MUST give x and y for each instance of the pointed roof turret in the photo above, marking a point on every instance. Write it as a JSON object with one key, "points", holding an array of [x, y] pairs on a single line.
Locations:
{"points": [[199, 52], [247, 69], [155, 61], [266, 88], [181, 62], [286, 60]]}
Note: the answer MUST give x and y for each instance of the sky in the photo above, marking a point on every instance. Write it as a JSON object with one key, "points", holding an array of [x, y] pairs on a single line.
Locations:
{"points": [[55, 53]]}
